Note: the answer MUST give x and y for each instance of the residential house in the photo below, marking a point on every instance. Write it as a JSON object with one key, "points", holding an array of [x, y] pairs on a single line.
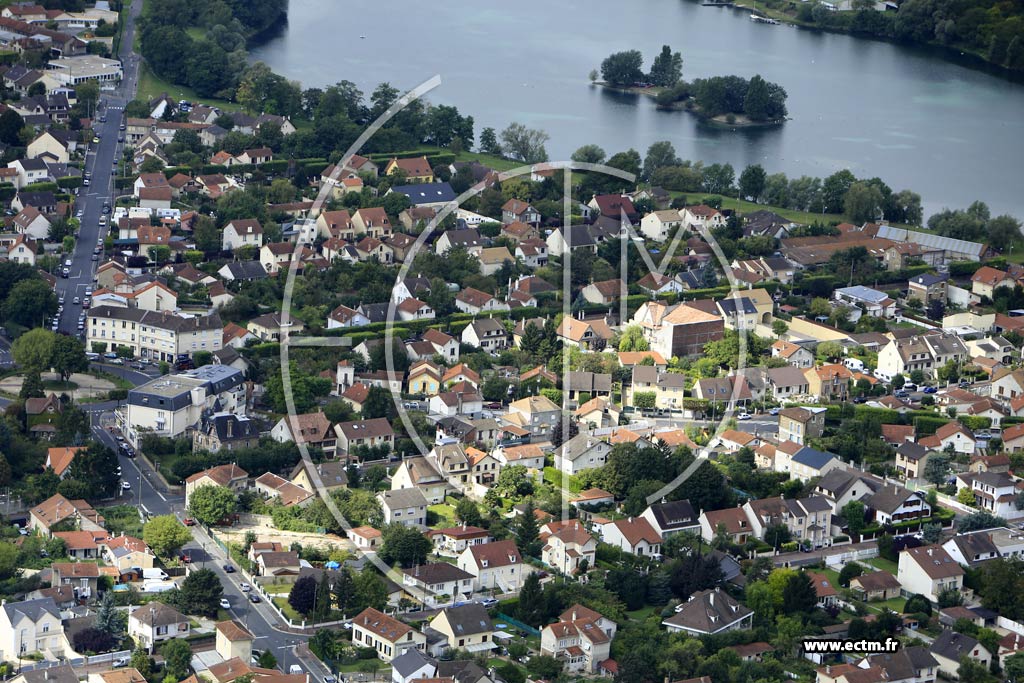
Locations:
{"points": [[56, 509], [604, 292], [891, 504], [518, 211], [414, 169], [497, 565], [786, 383], [707, 612], [579, 642], [241, 233], [582, 452], [929, 570], [986, 280], [659, 225], [951, 647], [878, 585], [233, 641], [586, 335], [313, 429], [467, 627], [568, 548], [284, 565], [438, 583], [794, 354], [911, 459], [419, 472], [801, 424], [30, 626], [668, 518], [387, 635], [404, 506], [488, 334], [471, 300], [870, 301], [537, 414], [952, 434], [829, 382], [732, 522], [229, 476], [156, 622], [633, 535], [928, 287]]}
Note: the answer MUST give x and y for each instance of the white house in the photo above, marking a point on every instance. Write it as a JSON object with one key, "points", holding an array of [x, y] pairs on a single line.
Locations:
{"points": [[633, 535], [241, 233], [929, 570], [30, 626], [493, 565]]}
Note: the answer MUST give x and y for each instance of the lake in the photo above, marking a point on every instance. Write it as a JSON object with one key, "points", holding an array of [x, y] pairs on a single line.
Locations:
{"points": [[949, 132]]}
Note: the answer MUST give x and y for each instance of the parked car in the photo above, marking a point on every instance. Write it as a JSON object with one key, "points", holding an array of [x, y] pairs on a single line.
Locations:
{"points": [[122, 661], [126, 486], [224, 604], [245, 587], [229, 569], [930, 390], [188, 521], [254, 598], [489, 602], [743, 416]]}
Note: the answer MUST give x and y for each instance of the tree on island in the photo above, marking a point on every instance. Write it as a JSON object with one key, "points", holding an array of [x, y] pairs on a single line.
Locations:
{"points": [[624, 68], [667, 69]]}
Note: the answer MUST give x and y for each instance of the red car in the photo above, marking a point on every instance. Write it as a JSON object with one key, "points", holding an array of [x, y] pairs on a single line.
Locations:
{"points": [[187, 559], [188, 521]]}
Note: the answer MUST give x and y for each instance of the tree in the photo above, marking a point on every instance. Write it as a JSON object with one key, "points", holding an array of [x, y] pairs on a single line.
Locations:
{"points": [[531, 606], [799, 594], [764, 101], [1002, 230], [200, 593], [489, 142], [96, 468], [779, 328], [266, 660], [1002, 588], [557, 438], [403, 544], [68, 356], [1013, 668], [853, 513], [177, 654], [625, 68], [661, 154], [90, 640], [862, 202], [29, 302], [210, 504], [834, 189], [965, 496], [379, 403], [936, 468], [33, 350], [667, 68], [11, 124], [467, 512], [108, 618], [524, 144], [851, 570], [588, 154], [9, 557], [971, 671], [544, 667], [303, 595], [752, 182], [207, 236], [165, 535], [527, 532], [633, 339], [918, 604], [141, 662], [513, 482], [931, 533]]}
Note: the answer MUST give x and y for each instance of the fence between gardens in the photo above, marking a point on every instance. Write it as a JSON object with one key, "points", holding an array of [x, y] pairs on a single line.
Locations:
{"points": [[518, 624], [77, 661]]}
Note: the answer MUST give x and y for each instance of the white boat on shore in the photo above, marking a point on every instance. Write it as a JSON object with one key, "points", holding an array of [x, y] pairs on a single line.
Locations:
{"points": [[758, 19]]}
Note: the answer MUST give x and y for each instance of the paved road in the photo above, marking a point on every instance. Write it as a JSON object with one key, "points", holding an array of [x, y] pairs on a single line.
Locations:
{"points": [[99, 161]]}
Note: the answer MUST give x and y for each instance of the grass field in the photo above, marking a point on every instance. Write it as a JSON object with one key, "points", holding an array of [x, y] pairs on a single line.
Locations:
{"points": [[882, 563], [151, 87]]}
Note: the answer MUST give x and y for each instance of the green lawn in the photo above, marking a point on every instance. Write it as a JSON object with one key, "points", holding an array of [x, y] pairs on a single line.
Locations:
{"points": [[123, 519], [445, 513], [286, 609], [746, 207], [894, 604], [643, 613], [882, 563], [497, 163], [151, 87]]}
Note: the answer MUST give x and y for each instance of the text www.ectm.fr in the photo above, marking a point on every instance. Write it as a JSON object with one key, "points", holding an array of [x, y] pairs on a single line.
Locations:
{"points": [[849, 646]]}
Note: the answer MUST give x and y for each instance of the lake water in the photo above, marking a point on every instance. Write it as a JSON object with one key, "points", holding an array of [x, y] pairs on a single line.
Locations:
{"points": [[949, 132]]}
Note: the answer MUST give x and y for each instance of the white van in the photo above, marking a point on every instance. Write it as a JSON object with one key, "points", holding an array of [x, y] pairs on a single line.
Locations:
{"points": [[158, 586], [884, 376], [855, 364], [154, 575]]}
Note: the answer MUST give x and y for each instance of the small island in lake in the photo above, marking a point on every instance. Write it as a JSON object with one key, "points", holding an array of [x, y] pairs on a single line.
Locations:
{"points": [[722, 100]]}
